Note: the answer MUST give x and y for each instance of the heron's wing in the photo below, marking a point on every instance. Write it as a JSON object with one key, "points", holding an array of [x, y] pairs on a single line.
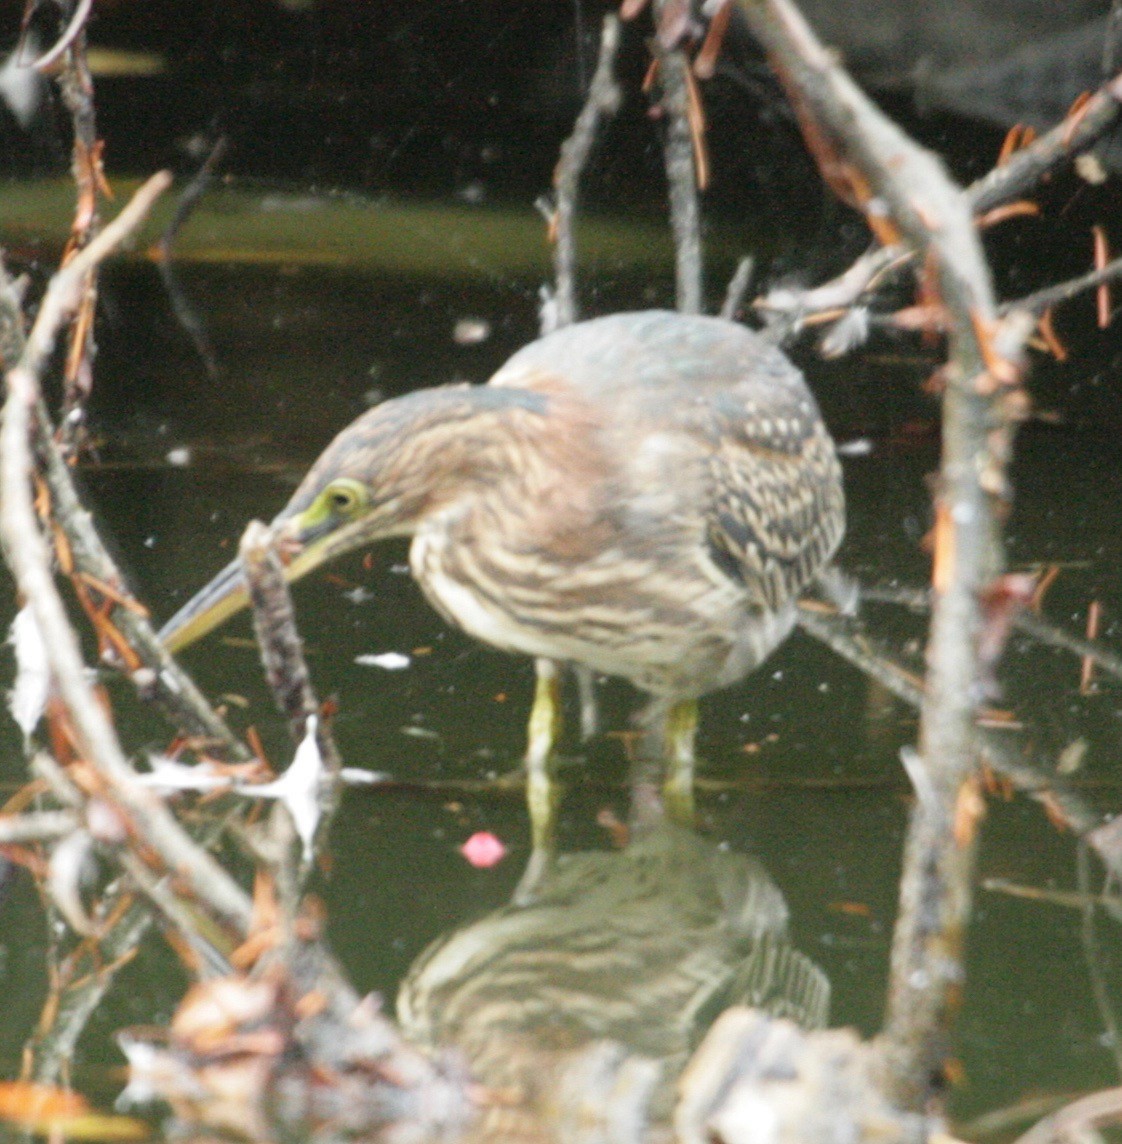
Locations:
{"points": [[776, 511], [704, 411]]}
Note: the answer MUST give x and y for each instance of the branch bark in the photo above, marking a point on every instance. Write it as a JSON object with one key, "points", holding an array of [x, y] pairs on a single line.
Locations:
{"points": [[908, 198], [682, 175], [602, 102]]}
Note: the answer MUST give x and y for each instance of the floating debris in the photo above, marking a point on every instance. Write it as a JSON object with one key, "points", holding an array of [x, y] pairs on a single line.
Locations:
{"points": [[471, 331], [28, 698], [483, 850], [387, 660]]}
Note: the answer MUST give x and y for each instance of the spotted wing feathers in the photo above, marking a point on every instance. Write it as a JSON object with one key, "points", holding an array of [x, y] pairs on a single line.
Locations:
{"points": [[776, 511]]}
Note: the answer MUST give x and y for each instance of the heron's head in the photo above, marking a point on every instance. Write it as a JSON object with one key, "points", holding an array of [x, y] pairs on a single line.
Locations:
{"points": [[380, 477]]}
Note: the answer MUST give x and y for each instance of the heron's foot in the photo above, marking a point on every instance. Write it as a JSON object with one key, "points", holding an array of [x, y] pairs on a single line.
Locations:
{"points": [[677, 788]]}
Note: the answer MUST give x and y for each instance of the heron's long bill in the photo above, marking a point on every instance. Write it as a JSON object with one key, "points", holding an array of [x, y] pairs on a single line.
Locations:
{"points": [[227, 594]]}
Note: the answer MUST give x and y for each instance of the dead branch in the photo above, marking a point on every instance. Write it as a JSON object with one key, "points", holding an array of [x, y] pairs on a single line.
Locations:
{"points": [[90, 970], [601, 103], [1024, 169], [683, 174], [1020, 174], [40, 826], [906, 195], [282, 656], [1008, 752], [28, 557], [66, 41], [75, 85], [738, 287], [160, 678], [833, 631], [282, 652], [793, 306], [64, 294]]}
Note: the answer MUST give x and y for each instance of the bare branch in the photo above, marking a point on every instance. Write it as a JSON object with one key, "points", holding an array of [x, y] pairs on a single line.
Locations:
{"points": [[160, 678], [1030, 623], [1017, 176], [1023, 171], [28, 557], [683, 174], [1077, 1120], [43, 826], [906, 195], [602, 102], [66, 41]]}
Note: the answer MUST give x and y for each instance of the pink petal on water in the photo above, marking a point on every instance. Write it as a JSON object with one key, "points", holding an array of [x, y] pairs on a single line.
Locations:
{"points": [[483, 850]]}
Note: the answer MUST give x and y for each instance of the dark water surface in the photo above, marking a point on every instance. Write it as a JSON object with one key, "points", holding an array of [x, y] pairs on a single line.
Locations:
{"points": [[802, 756]]}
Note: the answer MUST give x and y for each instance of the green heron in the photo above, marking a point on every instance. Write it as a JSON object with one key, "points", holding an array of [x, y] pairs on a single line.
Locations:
{"points": [[644, 495]]}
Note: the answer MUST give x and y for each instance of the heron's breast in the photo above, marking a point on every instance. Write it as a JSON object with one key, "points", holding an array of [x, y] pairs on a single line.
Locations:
{"points": [[466, 595]]}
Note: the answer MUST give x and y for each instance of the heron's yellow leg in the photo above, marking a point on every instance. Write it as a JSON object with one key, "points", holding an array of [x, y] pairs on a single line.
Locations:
{"points": [[542, 792], [677, 789]]}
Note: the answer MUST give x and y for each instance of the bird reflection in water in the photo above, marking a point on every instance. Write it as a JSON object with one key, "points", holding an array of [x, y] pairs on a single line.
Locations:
{"points": [[577, 1010], [567, 1016]]}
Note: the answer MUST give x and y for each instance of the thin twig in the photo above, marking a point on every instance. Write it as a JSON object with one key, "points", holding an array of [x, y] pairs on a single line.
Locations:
{"points": [[1093, 954], [1019, 175], [1008, 752], [161, 678], [1039, 301], [70, 34], [602, 102], [834, 632], [738, 287], [40, 826], [1068, 899], [65, 289], [184, 311], [75, 85], [793, 306], [1031, 624], [1026, 167]]}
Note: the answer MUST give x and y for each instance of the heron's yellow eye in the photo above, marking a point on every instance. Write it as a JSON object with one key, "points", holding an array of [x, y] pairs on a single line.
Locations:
{"points": [[344, 497]]}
